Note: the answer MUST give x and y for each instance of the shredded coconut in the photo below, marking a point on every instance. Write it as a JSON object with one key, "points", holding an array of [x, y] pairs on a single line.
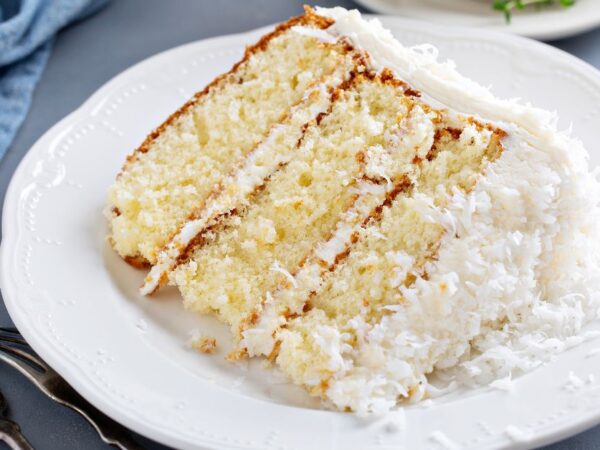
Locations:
{"points": [[504, 384], [573, 383], [396, 421], [276, 267], [516, 278]]}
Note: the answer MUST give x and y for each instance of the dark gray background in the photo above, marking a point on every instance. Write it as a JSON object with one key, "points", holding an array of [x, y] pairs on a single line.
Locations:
{"points": [[87, 55]]}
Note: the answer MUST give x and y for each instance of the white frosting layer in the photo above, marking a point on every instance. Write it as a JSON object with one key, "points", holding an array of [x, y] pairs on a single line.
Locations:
{"points": [[316, 33], [238, 186], [438, 81], [260, 339], [527, 253], [416, 136]]}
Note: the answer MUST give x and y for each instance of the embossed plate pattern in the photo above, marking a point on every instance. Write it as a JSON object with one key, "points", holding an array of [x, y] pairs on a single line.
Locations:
{"points": [[78, 306]]}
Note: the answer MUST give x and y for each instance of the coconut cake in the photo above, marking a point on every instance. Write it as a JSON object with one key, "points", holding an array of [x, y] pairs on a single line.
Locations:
{"points": [[363, 216]]}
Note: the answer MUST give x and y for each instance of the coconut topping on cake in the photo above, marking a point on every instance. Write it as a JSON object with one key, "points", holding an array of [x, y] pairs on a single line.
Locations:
{"points": [[365, 217]]}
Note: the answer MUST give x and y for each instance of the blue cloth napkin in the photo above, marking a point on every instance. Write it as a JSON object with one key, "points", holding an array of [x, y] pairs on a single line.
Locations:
{"points": [[27, 30]]}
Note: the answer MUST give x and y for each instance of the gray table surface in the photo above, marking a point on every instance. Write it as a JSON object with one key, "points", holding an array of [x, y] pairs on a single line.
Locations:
{"points": [[88, 54]]}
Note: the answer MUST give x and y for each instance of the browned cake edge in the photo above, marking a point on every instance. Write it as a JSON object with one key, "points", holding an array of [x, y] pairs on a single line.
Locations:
{"points": [[308, 18]]}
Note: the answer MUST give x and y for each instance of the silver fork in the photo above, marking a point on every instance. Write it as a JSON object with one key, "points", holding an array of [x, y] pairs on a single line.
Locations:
{"points": [[18, 354]]}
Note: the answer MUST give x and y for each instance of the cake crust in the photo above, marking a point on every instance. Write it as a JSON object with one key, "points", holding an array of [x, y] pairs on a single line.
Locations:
{"points": [[309, 18]]}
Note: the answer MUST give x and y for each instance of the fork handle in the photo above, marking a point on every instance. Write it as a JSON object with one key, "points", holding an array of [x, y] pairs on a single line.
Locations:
{"points": [[10, 433]]}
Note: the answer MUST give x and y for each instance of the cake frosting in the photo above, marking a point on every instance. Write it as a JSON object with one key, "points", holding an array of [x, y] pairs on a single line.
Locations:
{"points": [[528, 245], [397, 221]]}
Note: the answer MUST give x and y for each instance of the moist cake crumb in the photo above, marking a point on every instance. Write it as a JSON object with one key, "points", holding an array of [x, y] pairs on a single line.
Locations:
{"points": [[204, 344], [365, 218]]}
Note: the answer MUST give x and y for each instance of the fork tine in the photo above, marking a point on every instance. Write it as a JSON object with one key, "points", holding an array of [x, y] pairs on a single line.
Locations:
{"points": [[7, 355], [11, 330], [22, 354], [11, 334], [14, 339]]}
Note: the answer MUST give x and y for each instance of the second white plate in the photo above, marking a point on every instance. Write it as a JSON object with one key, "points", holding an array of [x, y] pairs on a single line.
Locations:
{"points": [[77, 303], [544, 24]]}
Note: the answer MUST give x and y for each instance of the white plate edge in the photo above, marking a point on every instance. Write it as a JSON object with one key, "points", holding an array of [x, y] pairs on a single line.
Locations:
{"points": [[113, 84]]}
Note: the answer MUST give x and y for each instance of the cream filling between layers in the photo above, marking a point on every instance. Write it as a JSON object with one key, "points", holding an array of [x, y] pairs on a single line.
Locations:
{"points": [[260, 339], [238, 186]]}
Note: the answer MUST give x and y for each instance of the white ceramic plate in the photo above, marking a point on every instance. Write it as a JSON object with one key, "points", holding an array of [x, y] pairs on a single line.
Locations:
{"points": [[545, 24], [77, 304]]}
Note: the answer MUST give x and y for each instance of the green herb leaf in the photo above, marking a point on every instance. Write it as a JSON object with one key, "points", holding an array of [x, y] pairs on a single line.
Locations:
{"points": [[508, 6]]}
